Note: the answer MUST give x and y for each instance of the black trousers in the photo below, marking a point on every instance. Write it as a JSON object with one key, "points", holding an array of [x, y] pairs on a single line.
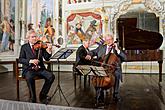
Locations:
{"points": [[116, 92], [49, 78]]}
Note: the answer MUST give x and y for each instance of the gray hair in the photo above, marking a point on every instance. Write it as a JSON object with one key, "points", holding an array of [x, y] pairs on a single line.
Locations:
{"points": [[109, 35], [28, 33]]}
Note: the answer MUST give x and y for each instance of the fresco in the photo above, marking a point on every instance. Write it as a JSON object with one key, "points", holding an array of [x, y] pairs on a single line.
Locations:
{"points": [[7, 28], [82, 26], [44, 23]]}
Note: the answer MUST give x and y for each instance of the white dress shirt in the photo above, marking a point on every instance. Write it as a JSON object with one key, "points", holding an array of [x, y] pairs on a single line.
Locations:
{"points": [[108, 48]]}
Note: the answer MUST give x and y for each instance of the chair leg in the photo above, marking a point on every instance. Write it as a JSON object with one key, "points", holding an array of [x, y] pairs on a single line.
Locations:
{"points": [[85, 79], [17, 89], [74, 81], [80, 80], [74, 76], [89, 80]]}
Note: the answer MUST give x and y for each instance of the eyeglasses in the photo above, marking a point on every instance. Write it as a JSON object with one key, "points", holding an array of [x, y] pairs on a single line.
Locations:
{"points": [[33, 36]]}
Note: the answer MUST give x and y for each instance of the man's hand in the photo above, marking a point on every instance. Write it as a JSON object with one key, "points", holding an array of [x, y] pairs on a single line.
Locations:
{"points": [[117, 48], [88, 57], [49, 49], [34, 61]]}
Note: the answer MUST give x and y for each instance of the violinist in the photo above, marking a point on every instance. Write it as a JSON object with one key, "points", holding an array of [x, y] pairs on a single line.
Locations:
{"points": [[32, 58], [101, 51]]}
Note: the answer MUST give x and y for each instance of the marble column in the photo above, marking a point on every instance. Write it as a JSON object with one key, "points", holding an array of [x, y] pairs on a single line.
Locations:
{"points": [[2, 8], [103, 24], [24, 21], [5, 8], [161, 29], [39, 9], [56, 19], [17, 29], [64, 35], [34, 12]]}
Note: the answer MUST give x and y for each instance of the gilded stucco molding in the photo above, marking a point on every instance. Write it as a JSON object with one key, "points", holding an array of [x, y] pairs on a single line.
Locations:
{"points": [[151, 6], [155, 6]]}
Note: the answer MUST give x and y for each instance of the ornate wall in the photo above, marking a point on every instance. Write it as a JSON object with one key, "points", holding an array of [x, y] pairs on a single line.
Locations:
{"points": [[150, 6], [111, 10]]}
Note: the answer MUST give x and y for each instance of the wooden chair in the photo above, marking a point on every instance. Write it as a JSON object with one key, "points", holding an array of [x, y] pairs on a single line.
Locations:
{"points": [[20, 78]]}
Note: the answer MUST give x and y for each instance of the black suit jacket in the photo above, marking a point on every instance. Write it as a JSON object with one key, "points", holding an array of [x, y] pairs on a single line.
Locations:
{"points": [[26, 55], [80, 56]]}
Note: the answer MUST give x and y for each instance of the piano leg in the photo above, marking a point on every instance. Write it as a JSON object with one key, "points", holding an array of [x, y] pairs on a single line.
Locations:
{"points": [[160, 70]]}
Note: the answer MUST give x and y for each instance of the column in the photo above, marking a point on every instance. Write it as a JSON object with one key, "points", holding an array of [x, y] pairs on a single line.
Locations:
{"points": [[24, 21], [38, 10], [56, 18], [161, 29], [34, 12], [64, 23], [2, 8], [17, 35], [7, 8], [103, 24]]}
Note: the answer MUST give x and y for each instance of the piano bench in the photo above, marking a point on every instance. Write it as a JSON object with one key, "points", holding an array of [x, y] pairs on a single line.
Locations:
{"points": [[76, 73]]}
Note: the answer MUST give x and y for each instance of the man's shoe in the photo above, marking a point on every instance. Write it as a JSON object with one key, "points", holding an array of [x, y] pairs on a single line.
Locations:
{"points": [[45, 100], [117, 99], [32, 100]]}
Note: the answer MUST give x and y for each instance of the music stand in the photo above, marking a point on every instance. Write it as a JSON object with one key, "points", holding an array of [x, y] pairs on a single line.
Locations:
{"points": [[93, 71], [61, 54]]}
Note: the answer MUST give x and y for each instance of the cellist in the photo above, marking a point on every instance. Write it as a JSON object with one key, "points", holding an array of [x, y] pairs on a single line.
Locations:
{"points": [[101, 51]]}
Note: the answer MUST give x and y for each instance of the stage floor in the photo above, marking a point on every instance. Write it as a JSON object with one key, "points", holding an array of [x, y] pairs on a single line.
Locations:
{"points": [[138, 92]]}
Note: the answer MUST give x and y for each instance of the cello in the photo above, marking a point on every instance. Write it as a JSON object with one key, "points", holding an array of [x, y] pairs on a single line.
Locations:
{"points": [[110, 62]]}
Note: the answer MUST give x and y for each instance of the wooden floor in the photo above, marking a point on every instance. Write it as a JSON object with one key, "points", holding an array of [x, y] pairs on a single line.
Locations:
{"points": [[138, 92]]}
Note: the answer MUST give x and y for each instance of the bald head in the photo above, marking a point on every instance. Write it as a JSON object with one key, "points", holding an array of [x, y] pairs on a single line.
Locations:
{"points": [[109, 39], [86, 43]]}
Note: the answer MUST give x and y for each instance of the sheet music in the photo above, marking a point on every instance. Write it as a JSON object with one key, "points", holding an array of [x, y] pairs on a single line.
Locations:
{"points": [[91, 70], [63, 53], [84, 69], [98, 71]]}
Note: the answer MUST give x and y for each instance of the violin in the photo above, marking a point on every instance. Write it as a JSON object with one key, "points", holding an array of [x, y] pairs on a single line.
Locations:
{"points": [[43, 45], [38, 46]]}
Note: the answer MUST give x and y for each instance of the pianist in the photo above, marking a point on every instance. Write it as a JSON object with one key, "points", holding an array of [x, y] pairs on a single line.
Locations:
{"points": [[82, 55]]}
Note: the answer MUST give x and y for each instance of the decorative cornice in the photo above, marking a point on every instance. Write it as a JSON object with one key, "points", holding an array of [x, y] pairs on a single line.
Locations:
{"points": [[121, 6], [155, 6]]}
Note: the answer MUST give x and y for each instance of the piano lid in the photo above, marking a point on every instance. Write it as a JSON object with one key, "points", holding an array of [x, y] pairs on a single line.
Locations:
{"points": [[132, 38]]}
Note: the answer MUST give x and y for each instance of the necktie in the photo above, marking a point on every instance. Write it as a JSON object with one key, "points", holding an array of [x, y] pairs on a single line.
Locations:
{"points": [[33, 49]]}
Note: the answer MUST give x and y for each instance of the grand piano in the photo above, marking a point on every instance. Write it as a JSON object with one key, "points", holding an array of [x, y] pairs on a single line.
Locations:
{"points": [[139, 44]]}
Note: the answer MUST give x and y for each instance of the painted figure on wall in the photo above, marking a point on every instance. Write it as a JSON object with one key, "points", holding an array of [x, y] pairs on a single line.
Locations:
{"points": [[79, 31], [7, 27], [83, 26]]}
